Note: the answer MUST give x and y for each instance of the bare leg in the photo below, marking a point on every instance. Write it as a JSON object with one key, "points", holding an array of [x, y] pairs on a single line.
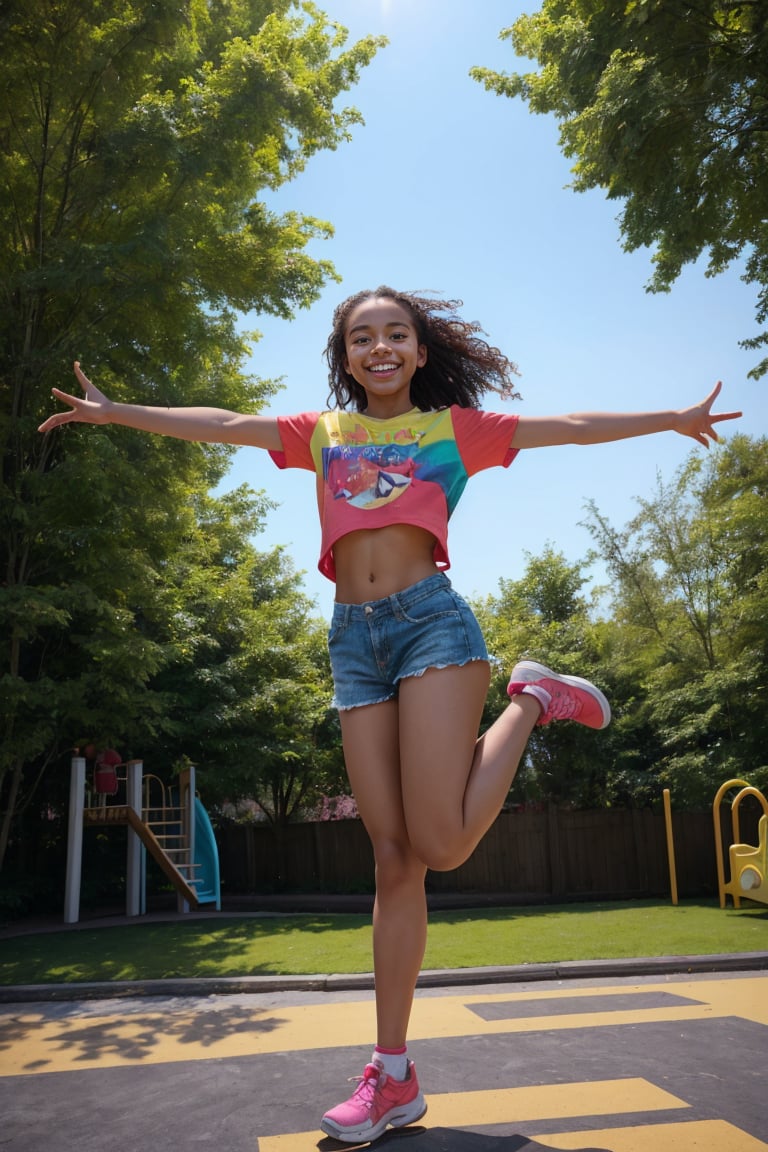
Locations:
{"points": [[427, 790], [453, 784], [372, 754]]}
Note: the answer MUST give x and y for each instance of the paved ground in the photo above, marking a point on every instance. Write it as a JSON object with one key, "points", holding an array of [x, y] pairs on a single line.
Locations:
{"points": [[670, 1063]]}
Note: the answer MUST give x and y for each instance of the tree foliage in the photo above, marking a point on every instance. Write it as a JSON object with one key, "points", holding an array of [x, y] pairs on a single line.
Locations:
{"points": [[688, 626], [677, 642], [663, 103], [135, 142], [545, 617], [248, 688]]}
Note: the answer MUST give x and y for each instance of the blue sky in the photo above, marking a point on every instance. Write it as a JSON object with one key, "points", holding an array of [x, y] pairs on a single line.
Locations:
{"points": [[452, 188]]}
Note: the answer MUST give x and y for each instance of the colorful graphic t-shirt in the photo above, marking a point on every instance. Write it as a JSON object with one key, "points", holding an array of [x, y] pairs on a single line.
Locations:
{"points": [[409, 469]]}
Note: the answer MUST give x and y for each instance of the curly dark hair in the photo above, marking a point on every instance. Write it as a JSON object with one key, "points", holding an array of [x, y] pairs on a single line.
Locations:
{"points": [[461, 367]]}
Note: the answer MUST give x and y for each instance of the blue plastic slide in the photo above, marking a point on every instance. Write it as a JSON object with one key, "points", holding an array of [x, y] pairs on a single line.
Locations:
{"points": [[208, 884]]}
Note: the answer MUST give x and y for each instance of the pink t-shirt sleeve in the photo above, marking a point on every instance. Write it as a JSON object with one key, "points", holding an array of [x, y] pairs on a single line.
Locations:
{"points": [[296, 437], [484, 438]]}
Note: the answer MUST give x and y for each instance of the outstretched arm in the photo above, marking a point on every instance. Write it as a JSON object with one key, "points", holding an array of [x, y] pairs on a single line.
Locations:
{"points": [[213, 425], [698, 421]]}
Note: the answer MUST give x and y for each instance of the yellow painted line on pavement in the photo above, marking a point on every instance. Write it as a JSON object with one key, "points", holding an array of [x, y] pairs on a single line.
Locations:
{"points": [[31, 1042], [690, 1136], [518, 1105], [747, 998], [439, 1017], [155, 1037]]}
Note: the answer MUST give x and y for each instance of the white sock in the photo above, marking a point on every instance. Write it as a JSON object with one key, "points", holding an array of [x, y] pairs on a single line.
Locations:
{"points": [[395, 1064], [541, 695]]}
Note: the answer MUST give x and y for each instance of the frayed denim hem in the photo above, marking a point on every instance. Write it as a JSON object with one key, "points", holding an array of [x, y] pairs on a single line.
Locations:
{"points": [[413, 676], [362, 704]]}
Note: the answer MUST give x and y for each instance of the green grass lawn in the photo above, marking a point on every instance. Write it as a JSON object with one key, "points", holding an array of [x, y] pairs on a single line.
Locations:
{"points": [[308, 944]]}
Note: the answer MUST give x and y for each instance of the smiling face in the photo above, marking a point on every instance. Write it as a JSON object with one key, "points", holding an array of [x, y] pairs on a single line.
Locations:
{"points": [[382, 354]]}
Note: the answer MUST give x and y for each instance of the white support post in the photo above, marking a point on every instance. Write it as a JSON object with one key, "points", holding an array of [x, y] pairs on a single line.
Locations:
{"points": [[74, 840], [143, 906], [187, 804], [133, 783]]}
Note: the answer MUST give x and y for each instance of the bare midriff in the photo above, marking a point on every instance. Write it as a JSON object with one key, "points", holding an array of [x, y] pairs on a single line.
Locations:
{"points": [[374, 563]]}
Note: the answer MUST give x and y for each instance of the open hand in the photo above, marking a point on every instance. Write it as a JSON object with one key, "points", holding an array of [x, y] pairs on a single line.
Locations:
{"points": [[92, 408], [699, 420]]}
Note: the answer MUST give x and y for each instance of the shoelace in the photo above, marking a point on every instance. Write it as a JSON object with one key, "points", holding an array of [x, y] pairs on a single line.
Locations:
{"points": [[563, 705], [366, 1085]]}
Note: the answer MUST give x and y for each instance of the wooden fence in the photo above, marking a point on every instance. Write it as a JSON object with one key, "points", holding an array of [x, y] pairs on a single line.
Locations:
{"points": [[550, 855]]}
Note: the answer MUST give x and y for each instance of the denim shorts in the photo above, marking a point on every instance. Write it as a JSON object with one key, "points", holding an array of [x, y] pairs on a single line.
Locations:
{"points": [[374, 645]]}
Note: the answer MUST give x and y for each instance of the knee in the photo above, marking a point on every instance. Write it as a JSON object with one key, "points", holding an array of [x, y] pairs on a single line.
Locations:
{"points": [[440, 857], [440, 849], [397, 866]]}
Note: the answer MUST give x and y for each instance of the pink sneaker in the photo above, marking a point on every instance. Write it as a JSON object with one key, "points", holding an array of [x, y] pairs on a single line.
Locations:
{"points": [[571, 697], [378, 1100]]}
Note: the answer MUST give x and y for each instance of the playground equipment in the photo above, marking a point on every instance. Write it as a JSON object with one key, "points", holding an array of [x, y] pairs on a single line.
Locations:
{"points": [[670, 846], [748, 865], [176, 832]]}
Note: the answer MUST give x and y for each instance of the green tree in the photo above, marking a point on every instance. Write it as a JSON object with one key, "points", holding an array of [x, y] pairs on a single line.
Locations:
{"points": [[248, 688], [135, 141], [544, 616], [690, 604], [664, 104]]}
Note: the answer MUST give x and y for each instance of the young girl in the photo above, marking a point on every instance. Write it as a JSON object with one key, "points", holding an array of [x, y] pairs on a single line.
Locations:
{"points": [[410, 667]]}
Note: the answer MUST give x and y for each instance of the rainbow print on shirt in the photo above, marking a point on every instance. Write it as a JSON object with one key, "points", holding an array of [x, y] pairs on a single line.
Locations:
{"points": [[370, 467]]}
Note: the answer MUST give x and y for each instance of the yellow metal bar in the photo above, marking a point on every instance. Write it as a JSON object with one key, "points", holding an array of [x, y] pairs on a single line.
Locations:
{"points": [[720, 794], [670, 847]]}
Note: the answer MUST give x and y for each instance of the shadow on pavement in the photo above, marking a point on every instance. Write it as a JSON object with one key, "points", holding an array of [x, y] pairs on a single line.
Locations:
{"points": [[446, 1140]]}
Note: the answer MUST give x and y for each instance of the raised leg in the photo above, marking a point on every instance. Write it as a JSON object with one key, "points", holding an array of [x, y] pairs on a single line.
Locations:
{"points": [[453, 784]]}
